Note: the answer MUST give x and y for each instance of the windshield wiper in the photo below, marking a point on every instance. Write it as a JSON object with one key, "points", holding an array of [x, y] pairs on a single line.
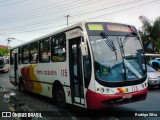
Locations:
{"points": [[121, 44], [125, 62], [109, 42], [125, 39]]}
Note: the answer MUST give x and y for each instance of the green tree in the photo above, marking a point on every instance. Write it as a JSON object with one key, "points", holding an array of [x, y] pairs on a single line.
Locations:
{"points": [[3, 52], [150, 33]]}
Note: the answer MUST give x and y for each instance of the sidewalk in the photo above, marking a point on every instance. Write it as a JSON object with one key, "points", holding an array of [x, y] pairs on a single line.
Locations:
{"points": [[4, 107], [3, 104], [5, 89]]}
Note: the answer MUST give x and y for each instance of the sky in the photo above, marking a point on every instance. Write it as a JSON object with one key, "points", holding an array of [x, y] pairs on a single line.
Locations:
{"points": [[25, 20]]}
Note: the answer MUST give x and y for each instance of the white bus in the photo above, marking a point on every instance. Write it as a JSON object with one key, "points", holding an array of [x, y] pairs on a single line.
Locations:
{"points": [[89, 64], [4, 65]]}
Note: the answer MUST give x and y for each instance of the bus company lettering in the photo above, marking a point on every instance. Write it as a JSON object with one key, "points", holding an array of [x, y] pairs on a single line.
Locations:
{"points": [[46, 72], [73, 33]]}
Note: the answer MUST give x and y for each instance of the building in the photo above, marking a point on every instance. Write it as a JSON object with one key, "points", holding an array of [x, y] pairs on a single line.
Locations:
{"points": [[3, 47]]}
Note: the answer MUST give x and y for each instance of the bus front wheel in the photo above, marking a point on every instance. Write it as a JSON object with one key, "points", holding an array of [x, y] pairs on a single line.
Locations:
{"points": [[60, 97]]}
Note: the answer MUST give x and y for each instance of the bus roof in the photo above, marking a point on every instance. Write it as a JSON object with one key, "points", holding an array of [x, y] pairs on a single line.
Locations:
{"points": [[80, 24], [50, 34]]}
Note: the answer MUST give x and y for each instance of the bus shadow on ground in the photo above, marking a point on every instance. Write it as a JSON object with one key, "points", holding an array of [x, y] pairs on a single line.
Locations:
{"points": [[153, 88], [106, 112]]}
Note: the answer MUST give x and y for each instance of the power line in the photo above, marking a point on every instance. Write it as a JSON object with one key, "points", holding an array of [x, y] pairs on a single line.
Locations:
{"points": [[31, 10], [122, 10], [4, 1], [13, 3], [126, 9], [38, 29], [40, 15], [136, 1], [51, 11], [118, 5]]}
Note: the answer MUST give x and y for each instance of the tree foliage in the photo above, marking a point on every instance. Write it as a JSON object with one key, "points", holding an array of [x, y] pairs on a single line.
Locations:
{"points": [[150, 34], [3, 52]]}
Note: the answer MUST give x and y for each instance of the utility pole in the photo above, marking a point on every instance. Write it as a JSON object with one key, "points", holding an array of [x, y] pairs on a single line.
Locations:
{"points": [[9, 40], [67, 18]]}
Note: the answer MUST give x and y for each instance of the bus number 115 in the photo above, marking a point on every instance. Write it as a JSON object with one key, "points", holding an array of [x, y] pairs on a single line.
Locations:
{"points": [[64, 73]]}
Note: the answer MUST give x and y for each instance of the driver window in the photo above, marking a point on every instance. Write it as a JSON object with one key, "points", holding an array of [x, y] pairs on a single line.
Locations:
{"points": [[59, 48]]}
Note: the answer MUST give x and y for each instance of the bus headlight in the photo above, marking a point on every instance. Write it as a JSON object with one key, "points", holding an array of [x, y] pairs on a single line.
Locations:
{"points": [[144, 85], [101, 90], [107, 90], [104, 90]]}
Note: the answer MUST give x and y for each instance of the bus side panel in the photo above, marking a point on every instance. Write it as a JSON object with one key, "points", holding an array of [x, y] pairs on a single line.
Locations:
{"points": [[51, 72], [39, 78]]}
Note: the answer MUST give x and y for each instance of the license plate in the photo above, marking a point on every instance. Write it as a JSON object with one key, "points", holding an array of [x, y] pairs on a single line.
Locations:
{"points": [[127, 96]]}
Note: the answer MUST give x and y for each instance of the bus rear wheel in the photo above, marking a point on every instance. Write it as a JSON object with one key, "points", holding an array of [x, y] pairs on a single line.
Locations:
{"points": [[60, 97]]}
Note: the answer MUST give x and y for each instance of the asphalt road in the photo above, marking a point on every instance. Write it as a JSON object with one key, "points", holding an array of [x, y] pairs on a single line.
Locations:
{"points": [[31, 102]]}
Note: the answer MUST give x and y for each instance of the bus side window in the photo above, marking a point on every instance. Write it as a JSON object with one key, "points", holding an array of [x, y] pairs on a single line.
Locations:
{"points": [[33, 52], [25, 54], [44, 51], [59, 48]]}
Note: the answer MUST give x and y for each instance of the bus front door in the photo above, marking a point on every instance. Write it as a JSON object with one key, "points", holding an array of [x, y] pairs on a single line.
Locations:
{"points": [[13, 69], [76, 77]]}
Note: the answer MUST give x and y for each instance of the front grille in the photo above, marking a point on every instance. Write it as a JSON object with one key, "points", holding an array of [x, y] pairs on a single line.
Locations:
{"points": [[126, 100]]}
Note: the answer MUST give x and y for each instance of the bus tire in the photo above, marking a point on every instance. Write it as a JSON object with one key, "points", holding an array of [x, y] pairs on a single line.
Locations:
{"points": [[60, 96], [21, 86]]}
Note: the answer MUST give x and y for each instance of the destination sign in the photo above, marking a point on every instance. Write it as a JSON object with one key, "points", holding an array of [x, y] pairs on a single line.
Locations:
{"points": [[95, 27], [119, 28]]}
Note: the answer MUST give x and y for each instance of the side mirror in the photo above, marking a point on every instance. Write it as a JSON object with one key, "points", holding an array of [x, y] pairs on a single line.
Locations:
{"points": [[84, 49]]}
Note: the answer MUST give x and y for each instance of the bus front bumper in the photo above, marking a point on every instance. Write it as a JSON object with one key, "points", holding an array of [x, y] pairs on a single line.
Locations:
{"points": [[97, 101]]}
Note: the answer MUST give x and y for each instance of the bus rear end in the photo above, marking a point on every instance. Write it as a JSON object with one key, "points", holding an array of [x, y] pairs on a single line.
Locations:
{"points": [[119, 70]]}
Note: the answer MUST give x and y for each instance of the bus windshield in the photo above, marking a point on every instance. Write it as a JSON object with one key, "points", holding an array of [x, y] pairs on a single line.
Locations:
{"points": [[1, 62], [117, 58]]}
